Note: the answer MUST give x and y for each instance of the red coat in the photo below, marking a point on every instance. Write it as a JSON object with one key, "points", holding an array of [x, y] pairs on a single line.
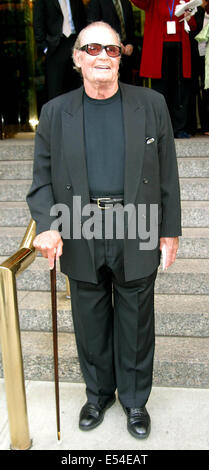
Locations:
{"points": [[154, 35]]}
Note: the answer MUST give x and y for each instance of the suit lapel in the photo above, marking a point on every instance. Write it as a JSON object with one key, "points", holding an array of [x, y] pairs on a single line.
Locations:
{"points": [[134, 124], [74, 152]]}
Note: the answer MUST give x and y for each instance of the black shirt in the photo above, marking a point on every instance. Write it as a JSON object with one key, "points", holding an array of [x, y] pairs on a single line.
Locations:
{"points": [[104, 143]]}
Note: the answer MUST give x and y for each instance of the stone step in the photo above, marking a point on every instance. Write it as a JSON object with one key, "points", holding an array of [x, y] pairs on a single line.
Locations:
{"points": [[194, 242], [180, 362], [22, 147], [191, 157], [182, 315], [17, 149], [197, 167], [191, 189], [185, 276], [35, 311], [11, 170], [175, 315], [194, 189], [22, 170], [194, 214], [14, 190], [14, 214], [194, 147], [10, 239]]}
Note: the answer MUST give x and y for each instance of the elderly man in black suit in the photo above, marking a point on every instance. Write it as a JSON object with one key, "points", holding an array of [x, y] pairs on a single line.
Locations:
{"points": [[56, 26], [107, 148], [119, 14]]}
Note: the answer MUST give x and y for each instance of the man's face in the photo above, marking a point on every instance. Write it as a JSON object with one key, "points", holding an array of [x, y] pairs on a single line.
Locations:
{"points": [[100, 69]]}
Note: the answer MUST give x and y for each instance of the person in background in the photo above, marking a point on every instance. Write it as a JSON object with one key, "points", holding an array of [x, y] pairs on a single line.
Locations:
{"points": [[195, 95], [166, 57], [56, 26], [203, 47], [119, 14]]}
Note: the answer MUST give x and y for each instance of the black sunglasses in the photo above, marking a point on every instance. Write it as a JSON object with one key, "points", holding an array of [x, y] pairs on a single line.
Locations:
{"points": [[96, 49]]}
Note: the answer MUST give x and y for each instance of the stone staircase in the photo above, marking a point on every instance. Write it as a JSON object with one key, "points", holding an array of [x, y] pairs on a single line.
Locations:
{"points": [[181, 294]]}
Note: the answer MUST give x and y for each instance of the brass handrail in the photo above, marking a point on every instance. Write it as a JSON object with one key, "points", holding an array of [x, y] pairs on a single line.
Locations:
{"points": [[11, 341], [10, 338]]}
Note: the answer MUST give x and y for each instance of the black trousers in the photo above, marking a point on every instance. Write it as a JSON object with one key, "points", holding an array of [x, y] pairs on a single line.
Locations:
{"points": [[174, 87], [114, 329], [60, 75]]}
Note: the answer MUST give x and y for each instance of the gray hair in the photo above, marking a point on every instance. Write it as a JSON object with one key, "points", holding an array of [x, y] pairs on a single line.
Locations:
{"points": [[78, 41]]}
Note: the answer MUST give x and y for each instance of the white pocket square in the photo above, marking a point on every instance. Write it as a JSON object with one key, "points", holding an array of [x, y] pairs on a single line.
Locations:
{"points": [[149, 140]]}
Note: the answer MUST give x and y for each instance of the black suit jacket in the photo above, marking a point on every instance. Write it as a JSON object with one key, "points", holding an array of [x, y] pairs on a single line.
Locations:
{"points": [[48, 20], [104, 10], [151, 175]]}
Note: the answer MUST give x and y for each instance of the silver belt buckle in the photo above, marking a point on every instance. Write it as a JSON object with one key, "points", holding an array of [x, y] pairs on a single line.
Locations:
{"points": [[100, 199]]}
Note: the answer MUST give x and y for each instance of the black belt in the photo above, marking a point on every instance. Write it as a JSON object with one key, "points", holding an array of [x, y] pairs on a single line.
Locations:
{"points": [[106, 202]]}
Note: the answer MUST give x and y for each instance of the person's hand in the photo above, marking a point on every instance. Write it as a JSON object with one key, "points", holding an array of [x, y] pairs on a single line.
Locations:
{"points": [[171, 246], [49, 243], [187, 15], [128, 49]]}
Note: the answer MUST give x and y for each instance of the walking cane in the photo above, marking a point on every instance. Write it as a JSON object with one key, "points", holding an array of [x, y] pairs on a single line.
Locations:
{"points": [[55, 343]]}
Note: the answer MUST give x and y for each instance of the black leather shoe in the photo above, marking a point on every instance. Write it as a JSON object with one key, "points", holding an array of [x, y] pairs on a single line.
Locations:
{"points": [[138, 422], [92, 415]]}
